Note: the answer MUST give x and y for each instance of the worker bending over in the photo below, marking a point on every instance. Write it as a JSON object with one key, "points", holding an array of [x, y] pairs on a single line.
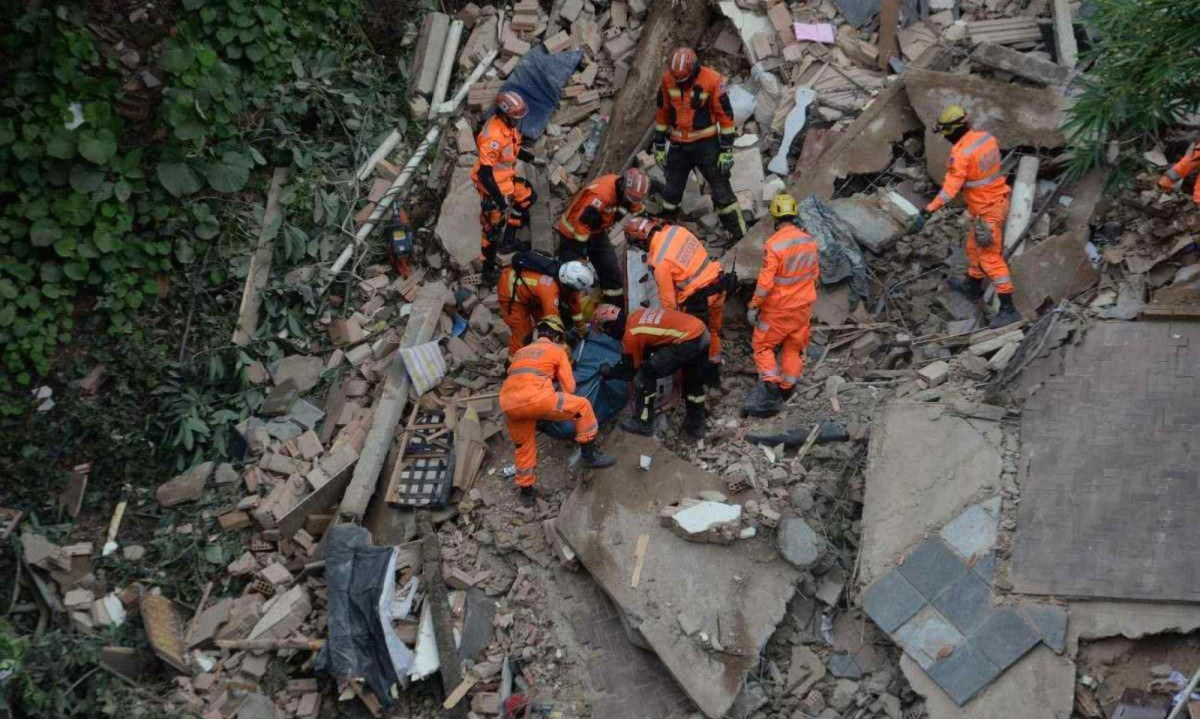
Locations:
{"points": [[657, 344], [974, 168], [583, 227], [694, 113], [1189, 163], [781, 308], [685, 276], [528, 396], [505, 199], [528, 295]]}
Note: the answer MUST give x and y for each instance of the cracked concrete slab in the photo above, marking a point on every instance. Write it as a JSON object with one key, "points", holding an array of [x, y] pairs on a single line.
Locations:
{"points": [[1132, 620], [742, 589], [1040, 686], [924, 466]]}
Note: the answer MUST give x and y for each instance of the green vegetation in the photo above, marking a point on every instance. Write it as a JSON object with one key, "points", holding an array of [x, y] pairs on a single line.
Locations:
{"points": [[1145, 77]]}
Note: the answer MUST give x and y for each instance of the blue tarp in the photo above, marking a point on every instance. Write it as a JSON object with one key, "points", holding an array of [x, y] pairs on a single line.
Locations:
{"points": [[540, 78], [607, 396]]}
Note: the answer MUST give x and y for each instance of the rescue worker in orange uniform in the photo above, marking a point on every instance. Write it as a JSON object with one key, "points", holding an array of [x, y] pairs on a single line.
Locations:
{"points": [[695, 115], [974, 168], [529, 395], [781, 308], [686, 278], [1174, 177], [584, 226], [527, 296], [658, 343], [505, 198]]}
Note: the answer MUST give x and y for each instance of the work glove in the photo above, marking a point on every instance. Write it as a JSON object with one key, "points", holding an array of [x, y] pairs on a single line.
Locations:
{"points": [[919, 223], [752, 316], [725, 161], [660, 154]]}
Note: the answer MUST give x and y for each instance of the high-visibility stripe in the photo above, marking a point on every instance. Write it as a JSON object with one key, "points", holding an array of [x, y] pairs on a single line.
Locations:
{"points": [[528, 370], [733, 207], [989, 179], [687, 281], [561, 400], [789, 379], [1171, 173], [944, 196], [526, 470], [696, 398], [1002, 280], [666, 245], [760, 292], [763, 326], [660, 128], [657, 332], [678, 135], [771, 374], [977, 144], [793, 280], [617, 292], [792, 243], [728, 130]]}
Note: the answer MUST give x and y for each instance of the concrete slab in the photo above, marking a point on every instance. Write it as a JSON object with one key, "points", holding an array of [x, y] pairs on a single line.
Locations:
{"points": [[1041, 686], [1108, 499], [458, 224], [1057, 268], [924, 466], [743, 587], [1132, 620]]}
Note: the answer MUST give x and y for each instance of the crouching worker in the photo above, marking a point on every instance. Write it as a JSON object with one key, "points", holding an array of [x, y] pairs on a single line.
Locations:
{"points": [[529, 395], [781, 309], [528, 295], [657, 344]]}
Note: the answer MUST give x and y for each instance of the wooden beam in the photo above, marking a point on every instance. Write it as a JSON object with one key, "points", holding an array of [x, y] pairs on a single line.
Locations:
{"points": [[422, 322], [450, 665], [260, 263]]}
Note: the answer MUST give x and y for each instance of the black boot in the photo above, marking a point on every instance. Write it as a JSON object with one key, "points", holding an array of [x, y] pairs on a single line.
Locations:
{"points": [[969, 287], [594, 458], [786, 394], [1007, 314], [765, 400], [527, 495], [642, 421], [712, 374], [693, 419], [733, 221]]}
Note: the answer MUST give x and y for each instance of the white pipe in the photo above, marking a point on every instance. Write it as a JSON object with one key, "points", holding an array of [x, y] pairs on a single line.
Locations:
{"points": [[452, 104], [384, 149], [449, 55], [385, 202]]}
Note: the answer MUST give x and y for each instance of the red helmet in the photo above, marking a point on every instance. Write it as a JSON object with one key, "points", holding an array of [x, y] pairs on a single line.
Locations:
{"points": [[512, 104], [638, 229], [605, 313], [635, 184], [682, 64]]}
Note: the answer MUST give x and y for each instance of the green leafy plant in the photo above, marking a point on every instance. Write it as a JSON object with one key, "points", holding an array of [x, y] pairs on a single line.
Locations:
{"points": [[1145, 76]]}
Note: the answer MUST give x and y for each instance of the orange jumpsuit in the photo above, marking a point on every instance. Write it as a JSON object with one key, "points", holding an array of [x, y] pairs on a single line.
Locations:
{"points": [[1189, 163], [499, 146], [784, 296], [528, 396], [975, 169], [682, 269], [584, 228], [660, 342], [526, 296]]}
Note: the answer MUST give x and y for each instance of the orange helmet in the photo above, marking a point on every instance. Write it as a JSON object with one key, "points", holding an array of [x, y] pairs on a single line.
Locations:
{"points": [[512, 104], [605, 313], [682, 64], [635, 184], [638, 229]]}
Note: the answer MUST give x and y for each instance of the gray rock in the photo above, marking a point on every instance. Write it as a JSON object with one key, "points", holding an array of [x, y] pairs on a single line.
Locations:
{"points": [[874, 228], [799, 544], [802, 497], [843, 694], [186, 487], [303, 371], [225, 474]]}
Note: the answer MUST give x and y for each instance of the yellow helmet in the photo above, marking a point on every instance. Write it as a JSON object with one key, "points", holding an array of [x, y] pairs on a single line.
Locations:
{"points": [[551, 323], [783, 206], [951, 119]]}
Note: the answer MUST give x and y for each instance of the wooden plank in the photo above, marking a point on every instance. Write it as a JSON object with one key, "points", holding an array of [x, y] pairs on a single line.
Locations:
{"points": [[260, 263], [421, 324], [460, 691], [889, 15], [443, 624], [639, 559]]}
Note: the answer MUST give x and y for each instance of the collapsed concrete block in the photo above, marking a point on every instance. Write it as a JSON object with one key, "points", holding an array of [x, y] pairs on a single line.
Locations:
{"points": [[873, 228], [934, 373], [799, 544], [186, 487], [458, 224], [707, 521], [1021, 64], [428, 53]]}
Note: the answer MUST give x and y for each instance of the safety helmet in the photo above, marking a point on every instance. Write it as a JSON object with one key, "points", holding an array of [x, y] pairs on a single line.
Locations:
{"points": [[682, 64], [638, 229], [551, 323], [951, 119], [635, 185], [783, 206], [512, 104], [605, 313], [576, 275]]}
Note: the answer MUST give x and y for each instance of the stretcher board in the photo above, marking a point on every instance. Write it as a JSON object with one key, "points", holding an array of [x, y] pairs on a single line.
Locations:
{"points": [[642, 292]]}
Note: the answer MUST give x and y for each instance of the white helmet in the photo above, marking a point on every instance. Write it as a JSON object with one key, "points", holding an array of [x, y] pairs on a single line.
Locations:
{"points": [[577, 275]]}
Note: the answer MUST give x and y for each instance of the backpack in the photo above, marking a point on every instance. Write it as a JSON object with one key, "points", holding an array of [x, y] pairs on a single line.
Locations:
{"points": [[536, 261]]}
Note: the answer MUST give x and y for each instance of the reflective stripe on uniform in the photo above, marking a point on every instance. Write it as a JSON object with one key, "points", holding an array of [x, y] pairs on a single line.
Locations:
{"points": [[788, 379], [561, 400], [657, 332], [1171, 173], [793, 280], [528, 370], [666, 245], [613, 292], [760, 292], [524, 471], [762, 326], [696, 398], [977, 144], [944, 196], [733, 207], [771, 374], [995, 175], [683, 284], [792, 243], [1002, 280]]}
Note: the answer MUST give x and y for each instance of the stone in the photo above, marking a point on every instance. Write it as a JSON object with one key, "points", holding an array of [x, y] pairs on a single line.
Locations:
{"points": [[225, 474], [799, 544], [1055, 269], [133, 552], [257, 706], [843, 694], [844, 666], [302, 371], [1021, 64], [805, 670], [874, 228], [707, 521], [481, 319], [186, 487], [427, 56], [78, 598]]}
